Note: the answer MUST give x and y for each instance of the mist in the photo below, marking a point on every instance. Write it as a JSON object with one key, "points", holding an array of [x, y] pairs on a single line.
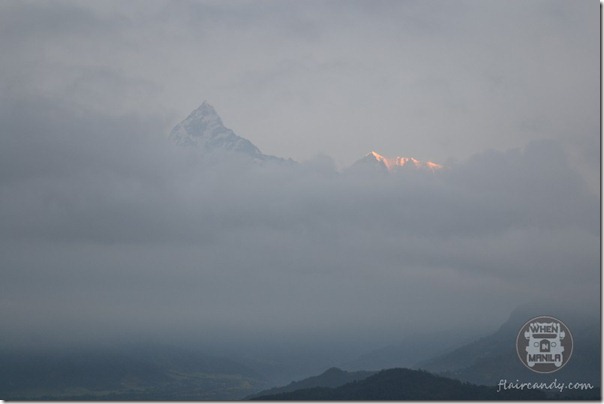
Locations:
{"points": [[111, 234], [112, 237]]}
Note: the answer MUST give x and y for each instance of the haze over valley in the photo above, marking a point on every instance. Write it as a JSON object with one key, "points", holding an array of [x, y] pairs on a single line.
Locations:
{"points": [[210, 199]]}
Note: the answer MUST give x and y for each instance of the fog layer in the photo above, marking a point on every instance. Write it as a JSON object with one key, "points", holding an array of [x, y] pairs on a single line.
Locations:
{"points": [[110, 233]]}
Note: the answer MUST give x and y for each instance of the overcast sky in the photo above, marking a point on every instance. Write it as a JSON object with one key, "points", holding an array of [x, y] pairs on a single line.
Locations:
{"points": [[107, 229]]}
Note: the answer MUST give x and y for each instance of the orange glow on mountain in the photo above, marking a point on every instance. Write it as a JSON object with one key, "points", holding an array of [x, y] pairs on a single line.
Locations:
{"points": [[393, 162]]}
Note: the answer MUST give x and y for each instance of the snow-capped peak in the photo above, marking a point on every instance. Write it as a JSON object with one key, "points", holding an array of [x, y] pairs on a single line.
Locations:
{"points": [[205, 112], [394, 163], [203, 129]]}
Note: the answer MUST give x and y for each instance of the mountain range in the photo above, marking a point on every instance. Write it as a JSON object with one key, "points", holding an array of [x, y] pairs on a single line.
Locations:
{"points": [[146, 371], [397, 163], [488, 359], [203, 129]]}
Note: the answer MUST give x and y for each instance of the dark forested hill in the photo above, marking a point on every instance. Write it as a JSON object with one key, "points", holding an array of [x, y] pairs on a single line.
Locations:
{"points": [[332, 377], [407, 384]]}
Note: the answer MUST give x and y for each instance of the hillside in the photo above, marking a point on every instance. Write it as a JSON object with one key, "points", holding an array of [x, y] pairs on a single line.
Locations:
{"points": [[493, 357], [332, 377], [412, 348], [406, 384]]}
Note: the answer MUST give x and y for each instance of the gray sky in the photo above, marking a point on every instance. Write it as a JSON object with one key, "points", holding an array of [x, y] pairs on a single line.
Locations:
{"points": [[107, 229]]}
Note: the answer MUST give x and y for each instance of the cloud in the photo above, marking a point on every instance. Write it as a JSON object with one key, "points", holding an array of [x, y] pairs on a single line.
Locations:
{"points": [[110, 232]]}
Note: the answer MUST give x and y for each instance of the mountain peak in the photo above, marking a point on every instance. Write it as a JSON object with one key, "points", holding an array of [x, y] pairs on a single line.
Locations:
{"points": [[205, 108], [205, 114], [203, 129], [394, 163]]}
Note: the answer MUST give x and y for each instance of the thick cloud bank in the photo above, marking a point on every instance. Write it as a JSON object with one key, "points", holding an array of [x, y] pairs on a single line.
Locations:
{"points": [[110, 232]]}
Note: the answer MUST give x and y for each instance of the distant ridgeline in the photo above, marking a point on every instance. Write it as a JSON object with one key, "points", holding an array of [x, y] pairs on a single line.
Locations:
{"points": [[491, 358], [470, 371], [406, 384], [157, 372]]}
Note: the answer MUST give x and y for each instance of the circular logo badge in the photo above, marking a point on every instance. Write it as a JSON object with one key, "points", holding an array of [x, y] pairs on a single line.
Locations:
{"points": [[544, 344]]}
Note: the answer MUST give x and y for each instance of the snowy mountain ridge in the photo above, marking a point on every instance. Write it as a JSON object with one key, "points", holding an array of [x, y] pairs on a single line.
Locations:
{"points": [[394, 163], [204, 129]]}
